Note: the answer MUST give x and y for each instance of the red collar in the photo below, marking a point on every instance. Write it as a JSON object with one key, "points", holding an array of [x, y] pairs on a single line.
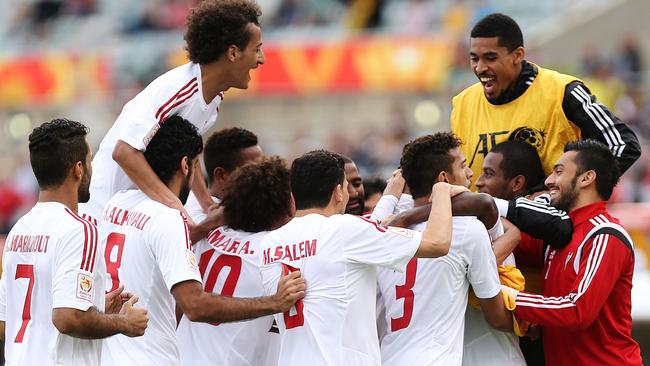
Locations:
{"points": [[584, 213]]}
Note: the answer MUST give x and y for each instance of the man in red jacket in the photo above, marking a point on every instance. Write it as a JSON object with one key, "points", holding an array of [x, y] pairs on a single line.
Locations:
{"points": [[586, 303]]}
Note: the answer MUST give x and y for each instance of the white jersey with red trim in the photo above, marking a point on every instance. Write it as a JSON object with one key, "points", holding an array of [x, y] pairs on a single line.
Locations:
{"points": [[337, 255], [51, 260], [148, 250], [230, 266], [179, 92], [425, 306]]}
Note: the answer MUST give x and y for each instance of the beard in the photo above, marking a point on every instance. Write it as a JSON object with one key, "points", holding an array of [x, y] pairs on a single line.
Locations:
{"points": [[83, 193], [185, 192], [358, 210], [567, 199]]}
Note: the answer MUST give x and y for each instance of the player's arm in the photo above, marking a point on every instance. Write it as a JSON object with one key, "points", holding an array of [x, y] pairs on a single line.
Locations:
{"points": [[2, 330], [599, 267], [482, 274], [213, 220], [480, 205], [135, 165], [73, 290], [199, 188], [201, 306], [436, 236], [506, 243], [538, 219], [92, 324], [597, 122], [496, 314]]}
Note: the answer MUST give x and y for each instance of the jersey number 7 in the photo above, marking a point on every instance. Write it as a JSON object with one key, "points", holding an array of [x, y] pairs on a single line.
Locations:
{"points": [[25, 271]]}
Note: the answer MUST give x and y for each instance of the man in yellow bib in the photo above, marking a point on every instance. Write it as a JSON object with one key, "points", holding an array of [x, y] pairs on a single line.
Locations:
{"points": [[516, 99]]}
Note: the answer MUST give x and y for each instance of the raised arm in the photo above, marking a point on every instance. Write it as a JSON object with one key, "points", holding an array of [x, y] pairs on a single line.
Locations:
{"points": [[597, 122], [134, 164]]}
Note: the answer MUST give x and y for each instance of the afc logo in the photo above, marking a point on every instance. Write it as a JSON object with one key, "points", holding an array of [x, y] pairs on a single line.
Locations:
{"points": [[486, 141]]}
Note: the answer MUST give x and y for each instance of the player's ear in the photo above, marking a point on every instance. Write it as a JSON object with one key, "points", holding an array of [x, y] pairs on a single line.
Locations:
{"points": [[517, 183], [78, 170], [587, 178], [219, 174], [185, 166], [519, 53], [232, 53], [442, 177], [337, 194]]}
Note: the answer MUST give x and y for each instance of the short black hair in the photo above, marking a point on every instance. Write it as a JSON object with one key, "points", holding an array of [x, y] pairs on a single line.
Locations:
{"points": [[222, 149], [520, 158], [314, 176], [502, 26], [374, 185], [257, 196], [594, 155], [54, 148], [175, 139], [424, 158], [215, 25]]}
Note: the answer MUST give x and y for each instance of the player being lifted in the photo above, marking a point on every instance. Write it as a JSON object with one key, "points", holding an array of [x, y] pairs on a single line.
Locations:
{"points": [[52, 287], [149, 251]]}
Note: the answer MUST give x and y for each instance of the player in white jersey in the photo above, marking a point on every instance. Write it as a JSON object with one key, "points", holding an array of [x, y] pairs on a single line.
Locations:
{"points": [[337, 255], [223, 40], [52, 288], [416, 334], [256, 199], [149, 251], [224, 151]]}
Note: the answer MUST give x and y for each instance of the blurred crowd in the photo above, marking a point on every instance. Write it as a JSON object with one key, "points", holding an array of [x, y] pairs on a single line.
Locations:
{"points": [[616, 78]]}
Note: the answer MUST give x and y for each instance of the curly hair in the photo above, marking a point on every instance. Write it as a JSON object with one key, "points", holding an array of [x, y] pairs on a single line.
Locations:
{"points": [[314, 176], [222, 149], [257, 196], [594, 155], [215, 25], [424, 158], [175, 139], [54, 147]]}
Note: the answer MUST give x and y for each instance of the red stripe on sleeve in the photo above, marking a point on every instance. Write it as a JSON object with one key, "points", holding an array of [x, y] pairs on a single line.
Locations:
{"points": [[162, 107]]}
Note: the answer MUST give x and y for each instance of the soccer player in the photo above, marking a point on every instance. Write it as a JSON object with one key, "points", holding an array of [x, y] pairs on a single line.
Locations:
{"points": [[224, 151], [148, 250], [416, 334], [223, 40], [511, 169], [337, 255], [585, 306], [256, 199], [356, 203], [518, 99], [52, 287]]}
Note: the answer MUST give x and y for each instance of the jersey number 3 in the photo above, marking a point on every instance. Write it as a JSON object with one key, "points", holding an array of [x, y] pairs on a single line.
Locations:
{"points": [[405, 292]]}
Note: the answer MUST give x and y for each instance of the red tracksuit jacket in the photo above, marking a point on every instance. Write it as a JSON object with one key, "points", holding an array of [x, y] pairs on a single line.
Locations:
{"points": [[585, 304]]}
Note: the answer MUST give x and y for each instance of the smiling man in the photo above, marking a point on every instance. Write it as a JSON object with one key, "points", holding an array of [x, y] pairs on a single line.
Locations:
{"points": [[585, 305], [223, 42], [518, 99]]}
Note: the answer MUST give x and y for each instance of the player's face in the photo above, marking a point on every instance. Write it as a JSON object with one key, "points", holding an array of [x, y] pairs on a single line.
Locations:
{"points": [[496, 68], [346, 195], [252, 153], [250, 58], [562, 182], [185, 189], [355, 204], [84, 186], [492, 181], [460, 172]]}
